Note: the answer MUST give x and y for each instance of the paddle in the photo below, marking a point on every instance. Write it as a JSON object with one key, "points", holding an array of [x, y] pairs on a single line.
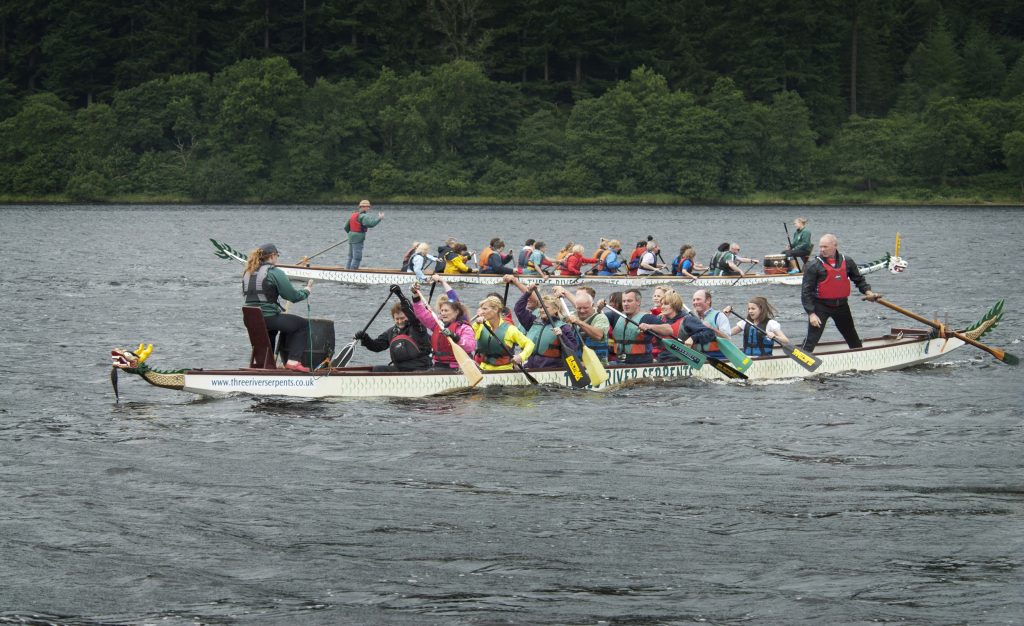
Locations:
{"points": [[1002, 355], [533, 381], [740, 277], [466, 363], [740, 361], [345, 354], [577, 372], [806, 360], [430, 296], [307, 259], [790, 242], [504, 298], [683, 352], [598, 374], [696, 276]]}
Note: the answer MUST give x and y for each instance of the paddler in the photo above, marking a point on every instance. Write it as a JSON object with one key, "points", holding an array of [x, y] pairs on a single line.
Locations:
{"points": [[679, 325], [358, 223], [826, 287], [609, 265], [493, 260], [496, 339], [455, 260], [547, 334], [726, 261], [760, 313], [407, 341], [454, 324], [538, 260], [713, 319], [631, 345], [262, 283], [573, 264], [592, 323]]}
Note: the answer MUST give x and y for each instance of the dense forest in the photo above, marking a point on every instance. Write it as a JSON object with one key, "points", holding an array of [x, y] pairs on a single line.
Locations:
{"points": [[306, 100]]}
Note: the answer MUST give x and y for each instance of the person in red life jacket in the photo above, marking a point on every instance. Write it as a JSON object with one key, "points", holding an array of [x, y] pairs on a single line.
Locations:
{"points": [[524, 255], [573, 264], [356, 227], [493, 260], [679, 325], [548, 335], [686, 263], [451, 320], [761, 314], [634, 258], [407, 341], [825, 290], [631, 345]]}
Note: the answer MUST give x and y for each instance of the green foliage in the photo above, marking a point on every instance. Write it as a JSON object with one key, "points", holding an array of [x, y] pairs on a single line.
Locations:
{"points": [[1013, 148]]}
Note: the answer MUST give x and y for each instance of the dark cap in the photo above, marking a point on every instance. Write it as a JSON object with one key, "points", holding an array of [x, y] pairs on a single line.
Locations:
{"points": [[268, 249]]}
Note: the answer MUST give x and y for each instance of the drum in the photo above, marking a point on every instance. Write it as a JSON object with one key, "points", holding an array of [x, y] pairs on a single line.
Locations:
{"points": [[774, 260]]}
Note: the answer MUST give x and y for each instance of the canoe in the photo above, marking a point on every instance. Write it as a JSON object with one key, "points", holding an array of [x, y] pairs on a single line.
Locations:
{"points": [[899, 349], [335, 274]]}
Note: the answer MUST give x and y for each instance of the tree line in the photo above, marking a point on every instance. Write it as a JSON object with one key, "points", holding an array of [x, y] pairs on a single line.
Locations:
{"points": [[312, 100]]}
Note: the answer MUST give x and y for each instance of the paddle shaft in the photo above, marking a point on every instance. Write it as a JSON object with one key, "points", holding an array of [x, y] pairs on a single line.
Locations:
{"points": [[996, 352], [740, 277], [307, 259], [681, 350], [808, 361], [529, 377], [576, 371], [790, 242]]}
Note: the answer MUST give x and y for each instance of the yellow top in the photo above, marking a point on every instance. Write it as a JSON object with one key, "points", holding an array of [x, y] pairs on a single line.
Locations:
{"points": [[513, 337], [456, 266]]}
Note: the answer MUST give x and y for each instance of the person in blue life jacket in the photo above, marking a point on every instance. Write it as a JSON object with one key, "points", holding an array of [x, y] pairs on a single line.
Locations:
{"points": [[356, 226], [713, 319], [760, 313], [612, 262], [408, 342], [262, 284]]}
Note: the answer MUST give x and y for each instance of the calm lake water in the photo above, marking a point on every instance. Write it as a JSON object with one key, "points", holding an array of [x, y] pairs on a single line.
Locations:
{"points": [[888, 497]]}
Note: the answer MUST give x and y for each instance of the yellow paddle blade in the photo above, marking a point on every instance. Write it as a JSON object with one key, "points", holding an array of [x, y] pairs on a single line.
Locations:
{"points": [[595, 368], [897, 252], [466, 363]]}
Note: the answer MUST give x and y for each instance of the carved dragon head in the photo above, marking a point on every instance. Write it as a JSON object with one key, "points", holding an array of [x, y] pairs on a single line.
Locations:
{"points": [[130, 359]]}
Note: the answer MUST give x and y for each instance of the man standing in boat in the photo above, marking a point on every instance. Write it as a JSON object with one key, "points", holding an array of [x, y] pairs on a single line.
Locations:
{"points": [[356, 227], [825, 293]]}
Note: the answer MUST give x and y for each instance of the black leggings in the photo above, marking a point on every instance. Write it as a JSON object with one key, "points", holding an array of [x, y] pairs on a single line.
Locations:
{"points": [[843, 318], [294, 334]]}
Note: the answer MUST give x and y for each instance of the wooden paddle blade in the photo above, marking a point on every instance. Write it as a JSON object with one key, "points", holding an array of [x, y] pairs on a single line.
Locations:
{"points": [[740, 361], [468, 366], [806, 360], [596, 369], [344, 355], [726, 369], [684, 353], [577, 372]]}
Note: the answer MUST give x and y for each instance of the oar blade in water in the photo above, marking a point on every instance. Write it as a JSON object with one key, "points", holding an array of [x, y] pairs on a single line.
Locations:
{"points": [[344, 355]]}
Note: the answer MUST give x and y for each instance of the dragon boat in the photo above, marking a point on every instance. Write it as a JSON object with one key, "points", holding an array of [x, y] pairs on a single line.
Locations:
{"points": [[900, 348], [337, 274]]}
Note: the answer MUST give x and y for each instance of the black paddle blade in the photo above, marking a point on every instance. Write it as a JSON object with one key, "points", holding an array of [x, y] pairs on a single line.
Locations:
{"points": [[344, 355], [806, 360], [577, 373], [113, 382], [726, 369]]}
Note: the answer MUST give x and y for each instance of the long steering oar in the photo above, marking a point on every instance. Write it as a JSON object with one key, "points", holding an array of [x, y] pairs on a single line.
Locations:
{"points": [[307, 259], [1002, 355], [740, 361], [345, 354], [595, 368], [529, 377], [806, 360], [683, 352], [576, 370]]}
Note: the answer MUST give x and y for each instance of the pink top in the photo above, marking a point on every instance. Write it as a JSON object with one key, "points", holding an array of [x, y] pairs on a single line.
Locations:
{"points": [[463, 333]]}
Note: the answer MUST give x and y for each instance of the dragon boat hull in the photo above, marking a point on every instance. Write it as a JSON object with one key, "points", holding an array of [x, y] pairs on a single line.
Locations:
{"points": [[341, 275], [895, 351]]}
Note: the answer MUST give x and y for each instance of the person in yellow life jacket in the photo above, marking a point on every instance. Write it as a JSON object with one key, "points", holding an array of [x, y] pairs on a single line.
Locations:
{"points": [[496, 338], [455, 260]]}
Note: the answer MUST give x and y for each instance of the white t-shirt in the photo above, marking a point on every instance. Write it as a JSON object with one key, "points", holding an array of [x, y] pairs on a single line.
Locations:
{"points": [[772, 326], [649, 259]]}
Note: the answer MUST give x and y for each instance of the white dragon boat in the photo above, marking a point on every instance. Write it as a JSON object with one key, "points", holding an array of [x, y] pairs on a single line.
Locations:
{"points": [[899, 349], [335, 274]]}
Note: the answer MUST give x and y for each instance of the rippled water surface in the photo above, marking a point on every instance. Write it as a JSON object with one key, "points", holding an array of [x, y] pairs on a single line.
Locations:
{"points": [[888, 497]]}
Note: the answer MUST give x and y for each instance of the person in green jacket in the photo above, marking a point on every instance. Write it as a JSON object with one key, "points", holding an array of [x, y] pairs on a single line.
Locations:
{"points": [[801, 246], [262, 283], [356, 228]]}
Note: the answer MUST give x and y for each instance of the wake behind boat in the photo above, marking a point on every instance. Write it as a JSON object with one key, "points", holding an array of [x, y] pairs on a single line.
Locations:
{"points": [[899, 349], [338, 274]]}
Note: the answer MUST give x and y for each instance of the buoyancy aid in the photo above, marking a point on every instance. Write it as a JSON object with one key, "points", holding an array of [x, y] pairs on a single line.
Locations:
{"points": [[441, 346], [711, 315], [354, 225], [599, 346], [836, 284], [403, 347], [255, 287], [484, 258], [716, 269], [754, 342], [412, 262], [628, 338], [547, 342], [489, 347], [407, 259]]}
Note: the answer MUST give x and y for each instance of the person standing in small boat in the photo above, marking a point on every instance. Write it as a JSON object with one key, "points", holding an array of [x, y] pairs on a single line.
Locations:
{"points": [[454, 324], [407, 341], [496, 339], [762, 314], [825, 290], [801, 245], [358, 223], [262, 283]]}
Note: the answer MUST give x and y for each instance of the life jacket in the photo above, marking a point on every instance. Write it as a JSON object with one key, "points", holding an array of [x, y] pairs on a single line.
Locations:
{"points": [[547, 343], [440, 263], [599, 346], [441, 346], [354, 225], [407, 259], [755, 343], [484, 258], [489, 347], [524, 256], [411, 266], [634, 260], [713, 346], [718, 263], [836, 284], [535, 263], [255, 287], [404, 347], [629, 340], [600, 265], [677, 264]]}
